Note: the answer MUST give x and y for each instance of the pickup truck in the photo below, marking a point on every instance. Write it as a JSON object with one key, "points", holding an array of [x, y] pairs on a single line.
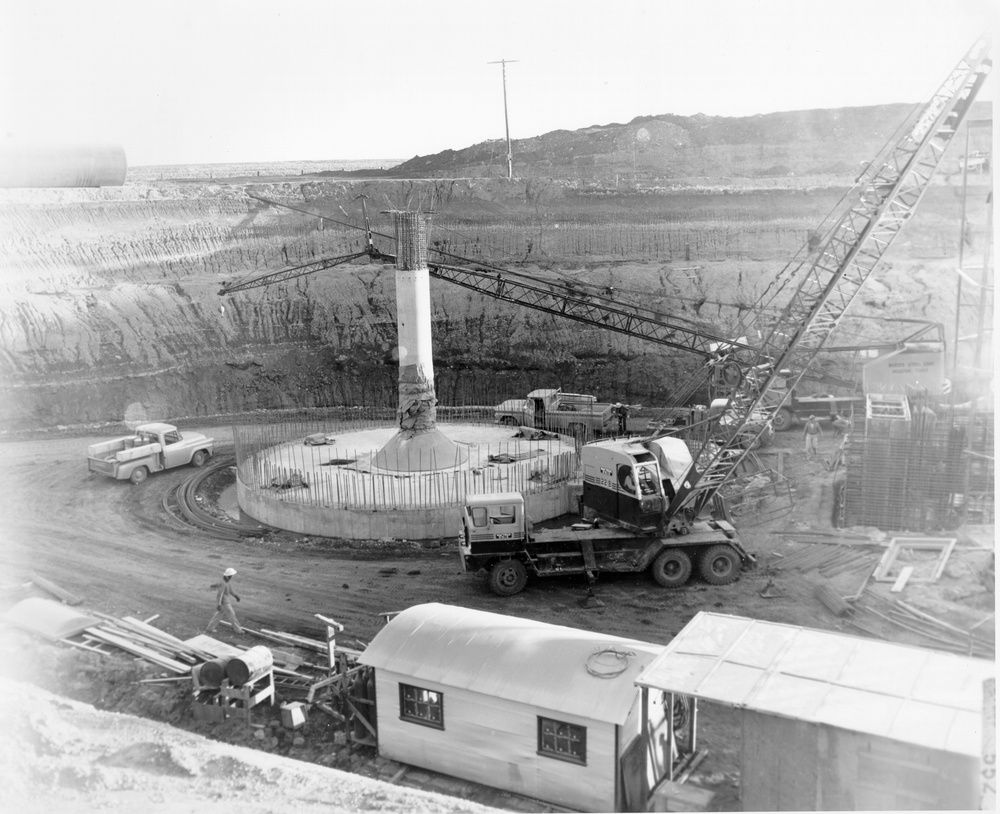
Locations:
{"points": [[798, 408], [553, 410], [150, 448]]}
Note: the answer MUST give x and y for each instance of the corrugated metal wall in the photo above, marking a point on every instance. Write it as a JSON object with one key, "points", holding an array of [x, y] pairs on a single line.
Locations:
{"points": [[792, 765]]}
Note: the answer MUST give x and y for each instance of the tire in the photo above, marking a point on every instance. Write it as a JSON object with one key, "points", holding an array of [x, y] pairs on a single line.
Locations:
{"points": [[199, 458], [783, 420], [139, 474], [720, 565], [508, 421], [671, 568], [578, 431], [508, 577]]}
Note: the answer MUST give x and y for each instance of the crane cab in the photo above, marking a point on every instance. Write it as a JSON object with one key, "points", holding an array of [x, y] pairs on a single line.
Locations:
{"points": [[631, 483]]}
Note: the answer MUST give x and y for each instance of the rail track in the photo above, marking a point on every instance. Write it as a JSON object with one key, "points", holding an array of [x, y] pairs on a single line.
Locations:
{"points": [[182, 503]]}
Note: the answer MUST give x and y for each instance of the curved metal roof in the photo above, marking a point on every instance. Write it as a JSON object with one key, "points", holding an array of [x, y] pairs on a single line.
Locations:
{"points": [[908, 694], [519, 660]]}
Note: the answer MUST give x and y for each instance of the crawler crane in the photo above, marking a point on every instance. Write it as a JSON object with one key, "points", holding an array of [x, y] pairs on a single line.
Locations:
{"points": [[651, 494]]}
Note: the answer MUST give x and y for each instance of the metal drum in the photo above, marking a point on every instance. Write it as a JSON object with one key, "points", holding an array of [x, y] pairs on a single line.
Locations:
{"points": [[249, 666]]}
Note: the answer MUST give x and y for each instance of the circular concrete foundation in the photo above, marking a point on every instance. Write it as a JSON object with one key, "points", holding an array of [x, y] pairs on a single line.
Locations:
{"points": [[330, 487]]}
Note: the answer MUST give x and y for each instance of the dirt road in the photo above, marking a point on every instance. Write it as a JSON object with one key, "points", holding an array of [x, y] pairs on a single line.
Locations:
{"points": [[113, 545]]}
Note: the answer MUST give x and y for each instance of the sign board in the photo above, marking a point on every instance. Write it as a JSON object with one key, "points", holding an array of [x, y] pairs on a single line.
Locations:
{"points": [[905, 371]]}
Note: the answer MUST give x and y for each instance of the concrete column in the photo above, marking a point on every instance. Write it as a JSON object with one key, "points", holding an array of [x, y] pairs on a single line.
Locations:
{"points": [[417, 401], [419, 446]]}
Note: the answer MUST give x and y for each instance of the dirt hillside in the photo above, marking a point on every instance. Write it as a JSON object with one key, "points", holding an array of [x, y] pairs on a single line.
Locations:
{"points": [[774, 145], [110, 306]]}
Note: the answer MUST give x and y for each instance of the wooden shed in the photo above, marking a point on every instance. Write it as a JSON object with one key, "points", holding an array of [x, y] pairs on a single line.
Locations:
{"points": [[540, 710], [831, 721]]}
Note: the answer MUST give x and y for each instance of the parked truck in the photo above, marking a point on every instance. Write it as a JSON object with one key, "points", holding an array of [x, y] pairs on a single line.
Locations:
{"points": [[150, 448], [795, 408], [624, 525], [555, 411]]}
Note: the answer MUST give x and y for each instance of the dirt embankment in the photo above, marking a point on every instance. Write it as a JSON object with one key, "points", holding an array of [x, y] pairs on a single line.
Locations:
{"points": [[110, 306]]}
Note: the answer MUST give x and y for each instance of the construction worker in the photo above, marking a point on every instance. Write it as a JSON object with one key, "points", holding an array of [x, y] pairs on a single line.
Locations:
{"points": [[622, 418], [813, 432], [841, 424], [224, 605]]}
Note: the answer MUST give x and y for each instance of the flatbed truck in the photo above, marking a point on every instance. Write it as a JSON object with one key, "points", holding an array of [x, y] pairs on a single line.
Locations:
{"points": [[623, 528]]}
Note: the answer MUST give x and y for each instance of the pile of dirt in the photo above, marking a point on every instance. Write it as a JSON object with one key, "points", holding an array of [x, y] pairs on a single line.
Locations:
{"points": [[63, 755], [796, 143]]}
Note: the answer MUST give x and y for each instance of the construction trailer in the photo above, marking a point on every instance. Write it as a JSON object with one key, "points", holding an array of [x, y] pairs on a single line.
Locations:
{"points": [[536, 709], [831, 721]]}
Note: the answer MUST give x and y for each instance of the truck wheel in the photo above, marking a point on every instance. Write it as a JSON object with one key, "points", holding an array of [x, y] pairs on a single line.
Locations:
{"points": [[508, 577], [671, 568], [783, 420], [720, 565], [508, 421], [199, 458], [138, 474]]}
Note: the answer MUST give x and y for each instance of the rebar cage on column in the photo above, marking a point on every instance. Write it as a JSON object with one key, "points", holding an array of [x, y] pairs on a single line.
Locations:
{"points": [[914, 475]]}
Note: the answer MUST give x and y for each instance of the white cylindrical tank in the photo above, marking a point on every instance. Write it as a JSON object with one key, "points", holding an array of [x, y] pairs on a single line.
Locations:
{"points": [[24, 165]]}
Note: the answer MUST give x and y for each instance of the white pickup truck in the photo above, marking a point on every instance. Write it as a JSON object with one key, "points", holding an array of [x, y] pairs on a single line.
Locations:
{"points": [[150, 448]]}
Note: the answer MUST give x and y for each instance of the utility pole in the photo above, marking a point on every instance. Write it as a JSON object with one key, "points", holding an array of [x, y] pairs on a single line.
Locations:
{"points": [[510, 154]]}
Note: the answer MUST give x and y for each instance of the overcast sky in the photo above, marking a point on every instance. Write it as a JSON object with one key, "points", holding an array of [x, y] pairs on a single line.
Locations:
{"points": [[203, 81]]}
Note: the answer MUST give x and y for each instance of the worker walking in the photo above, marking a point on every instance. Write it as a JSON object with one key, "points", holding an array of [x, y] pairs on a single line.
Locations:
{"points": [[813, 432], [224, 605]]}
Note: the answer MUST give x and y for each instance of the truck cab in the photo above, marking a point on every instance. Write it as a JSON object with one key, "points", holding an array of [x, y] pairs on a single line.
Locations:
{"points": [[494, 529]]}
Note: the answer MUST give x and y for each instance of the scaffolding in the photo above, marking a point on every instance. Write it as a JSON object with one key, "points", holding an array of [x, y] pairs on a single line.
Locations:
{"points": [[914, 467]]}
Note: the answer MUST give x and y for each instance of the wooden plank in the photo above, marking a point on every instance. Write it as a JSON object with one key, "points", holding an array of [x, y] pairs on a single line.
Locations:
{"points": [[162, 635], [904, 577], [835, 603], [92, 648], [143, 652], [55, 590], [300, 641], [929, 618]]}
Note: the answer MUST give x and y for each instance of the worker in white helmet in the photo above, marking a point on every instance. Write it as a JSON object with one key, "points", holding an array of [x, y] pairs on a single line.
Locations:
{"points": [[813, 432], [224, 604]]}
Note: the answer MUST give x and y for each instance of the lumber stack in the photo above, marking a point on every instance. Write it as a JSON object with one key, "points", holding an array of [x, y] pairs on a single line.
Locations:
{"points": [[830, 556], [932, 631], [140, 639]]}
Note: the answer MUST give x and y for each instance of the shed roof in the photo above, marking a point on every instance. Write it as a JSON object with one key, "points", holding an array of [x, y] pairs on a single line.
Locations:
{"points": [[555, 668], [921, 697], [48, 618]]}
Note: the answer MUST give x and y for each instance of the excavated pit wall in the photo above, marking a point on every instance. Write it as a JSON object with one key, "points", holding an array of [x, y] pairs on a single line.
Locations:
{"points": [[109, 304]]}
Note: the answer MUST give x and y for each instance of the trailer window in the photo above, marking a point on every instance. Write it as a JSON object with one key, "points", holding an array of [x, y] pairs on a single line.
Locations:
{"points": [[421, 706], [479, 516], [562, 741], [502, 514]]}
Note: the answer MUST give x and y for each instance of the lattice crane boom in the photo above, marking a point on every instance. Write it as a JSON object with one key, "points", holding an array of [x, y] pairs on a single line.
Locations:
{"points": [[832, 276]]}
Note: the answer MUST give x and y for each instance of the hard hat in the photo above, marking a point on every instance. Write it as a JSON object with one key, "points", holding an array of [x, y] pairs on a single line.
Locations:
{"points": [[229, 572], [810, 418]]}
